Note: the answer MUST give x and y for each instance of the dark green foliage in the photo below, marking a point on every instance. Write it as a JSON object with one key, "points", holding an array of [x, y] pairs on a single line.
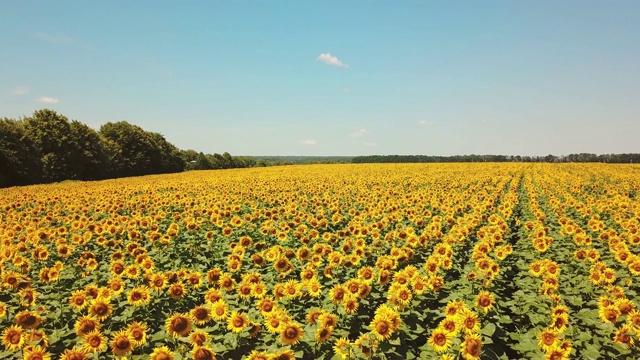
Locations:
{"points": [[47, 147], [20, 161]]}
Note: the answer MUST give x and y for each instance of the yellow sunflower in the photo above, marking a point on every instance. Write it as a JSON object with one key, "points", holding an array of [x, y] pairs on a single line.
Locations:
{"points": [[122, 343], [178, 324], [291, 334], [13, 337], [237, 322]]}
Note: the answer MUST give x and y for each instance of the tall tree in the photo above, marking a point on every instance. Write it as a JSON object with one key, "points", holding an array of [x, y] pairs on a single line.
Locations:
{"points": [[50, 133], [20, 160]]}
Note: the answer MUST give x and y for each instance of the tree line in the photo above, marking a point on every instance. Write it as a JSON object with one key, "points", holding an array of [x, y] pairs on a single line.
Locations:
{"points": [[47, 147], [633, 158]]}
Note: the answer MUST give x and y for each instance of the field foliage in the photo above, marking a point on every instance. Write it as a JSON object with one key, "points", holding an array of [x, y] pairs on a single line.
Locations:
{"points": [[410, 261]]}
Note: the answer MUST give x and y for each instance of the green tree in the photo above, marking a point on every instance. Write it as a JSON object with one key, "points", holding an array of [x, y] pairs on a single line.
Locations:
{"points": [[50, 133], [90, 158], [20, 161]]}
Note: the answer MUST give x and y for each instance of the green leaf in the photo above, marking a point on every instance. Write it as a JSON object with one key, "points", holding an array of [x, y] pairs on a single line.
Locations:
{"points": [[489, 329]]}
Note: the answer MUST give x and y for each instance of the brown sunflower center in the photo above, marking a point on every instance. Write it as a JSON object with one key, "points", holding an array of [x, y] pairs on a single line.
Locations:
{"points": [[180, 324], [291, 333], [382, 328], [440, 339], [95, 341], [14, 337], [473, 347], [238, 322], [123, 343]]}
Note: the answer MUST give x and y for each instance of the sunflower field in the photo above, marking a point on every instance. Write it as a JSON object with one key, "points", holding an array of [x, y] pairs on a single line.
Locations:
{"points": [[385, 261]]}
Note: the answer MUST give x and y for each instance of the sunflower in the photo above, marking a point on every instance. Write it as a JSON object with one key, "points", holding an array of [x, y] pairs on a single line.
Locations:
{"points": [[609, 314], [469, 322], [547, 339], [244, 290], [219, 310], [212, 295], [450, 325], [11, 280], [195, 279], [85, 325], [201, 315], [258, 290], [350, 304], [258, 355], [116, 285], [122, 343], [560, 322], [323, 334], [623, 336], [440, 340], [274, 322], [177, 290], [282, 265], [162, 353], [100, 308], [314, 288], [158, 281], [28, 297], [198, 337], [37, 336], [139, 296], [485, 301], [36, 352], [13, 337], [178, 324], [266, 305], [28, 319], [337, 294], [328, 319], [625, 306], [94, 342], [381, 327], [3, 310], [203, 353], [237, 322], [138, 332], [74, 354], [291, 334], [341, 347], [226, 282], [286, 354], [471, 347]]}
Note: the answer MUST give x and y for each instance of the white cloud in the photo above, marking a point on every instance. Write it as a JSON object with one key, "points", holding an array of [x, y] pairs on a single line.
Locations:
{"points": [[359, 133], [20, 90], [426, 123], [329, 59], [369, 144], [346, 90], [47, 100], [308, 142]]}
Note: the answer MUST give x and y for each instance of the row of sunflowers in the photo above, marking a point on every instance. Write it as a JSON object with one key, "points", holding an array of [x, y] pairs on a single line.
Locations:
{"points": [[384, 261]]}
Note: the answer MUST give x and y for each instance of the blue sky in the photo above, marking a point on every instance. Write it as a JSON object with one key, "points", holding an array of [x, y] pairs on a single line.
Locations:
{"points": [[335, 77]]}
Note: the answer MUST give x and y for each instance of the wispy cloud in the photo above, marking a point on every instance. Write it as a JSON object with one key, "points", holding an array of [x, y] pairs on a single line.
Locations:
{"points": [[20, 91], [369, 144], [346, 90], [308, 142], [329, 59], [47, 100], [426, 123], [359, 133], [61, 39]]}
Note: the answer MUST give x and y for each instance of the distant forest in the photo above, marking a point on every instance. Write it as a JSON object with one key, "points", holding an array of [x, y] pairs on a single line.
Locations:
{"points": [[583, 157], [46, 147]]}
